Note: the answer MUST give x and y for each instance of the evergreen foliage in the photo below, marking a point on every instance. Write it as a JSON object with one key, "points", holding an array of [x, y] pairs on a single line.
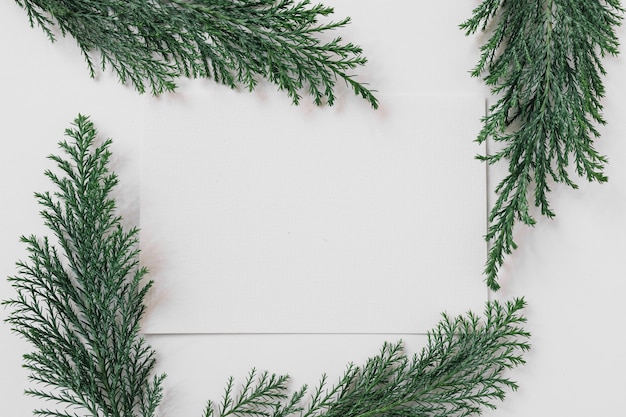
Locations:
{"points": [[458, 373], [151, 43], [543, 60], [79, 303]]}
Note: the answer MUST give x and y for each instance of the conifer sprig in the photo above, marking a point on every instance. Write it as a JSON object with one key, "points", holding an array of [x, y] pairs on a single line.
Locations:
{"points": [[543, 61], [458, 373], [151, 43], [79, 301]]}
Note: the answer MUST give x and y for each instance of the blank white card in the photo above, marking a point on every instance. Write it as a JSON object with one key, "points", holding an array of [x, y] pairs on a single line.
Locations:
{"points": [[261, 217]]}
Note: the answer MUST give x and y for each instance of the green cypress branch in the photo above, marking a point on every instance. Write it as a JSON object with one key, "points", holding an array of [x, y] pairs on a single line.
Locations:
{"points": [[543, 61], [151, 43], [79, 304], [458, 373]]}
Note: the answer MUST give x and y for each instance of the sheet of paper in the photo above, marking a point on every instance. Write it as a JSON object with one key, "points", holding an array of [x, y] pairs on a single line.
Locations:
{"points": [[261, 217]]}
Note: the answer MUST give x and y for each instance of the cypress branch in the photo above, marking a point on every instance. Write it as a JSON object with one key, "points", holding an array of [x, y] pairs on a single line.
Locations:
{"points": [[543, 61], [79, 302], [151, 43], [458, 373]]}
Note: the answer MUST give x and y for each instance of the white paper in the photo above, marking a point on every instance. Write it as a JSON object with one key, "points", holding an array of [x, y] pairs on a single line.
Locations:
{"points": [[261, 217]]}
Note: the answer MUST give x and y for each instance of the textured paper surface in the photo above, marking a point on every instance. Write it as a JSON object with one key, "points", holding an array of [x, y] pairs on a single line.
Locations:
{"points": [[257, 216]]}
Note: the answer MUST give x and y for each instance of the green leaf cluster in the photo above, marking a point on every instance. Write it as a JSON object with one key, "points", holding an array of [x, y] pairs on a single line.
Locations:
{"points": [[543, 60], [458, 373], [79, 302], [151, 43]]}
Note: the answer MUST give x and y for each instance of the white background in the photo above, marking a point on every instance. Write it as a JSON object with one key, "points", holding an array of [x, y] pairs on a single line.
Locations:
{"points": [[569, 269]]}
